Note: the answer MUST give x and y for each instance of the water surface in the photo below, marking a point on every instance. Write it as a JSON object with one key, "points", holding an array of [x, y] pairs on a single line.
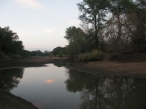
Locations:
{"points": [[57, 87]]}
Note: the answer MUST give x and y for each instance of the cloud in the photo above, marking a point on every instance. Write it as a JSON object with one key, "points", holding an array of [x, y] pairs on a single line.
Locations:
{"points": [[31, 3], [49, 31]]}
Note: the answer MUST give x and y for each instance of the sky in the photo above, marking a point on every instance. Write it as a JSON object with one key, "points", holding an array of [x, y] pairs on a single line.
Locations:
{"points": [[40, 24]]}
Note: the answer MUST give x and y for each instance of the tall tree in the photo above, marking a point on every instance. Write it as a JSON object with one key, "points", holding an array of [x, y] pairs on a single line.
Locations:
{"points": [[7, 38], [119, 26], [94, 13], [76, 38], [138, 38]]}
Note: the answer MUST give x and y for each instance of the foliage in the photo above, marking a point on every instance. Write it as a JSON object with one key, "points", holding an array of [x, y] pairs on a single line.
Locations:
{"points": [[9, 43], [60, 54], [111, 26], [94, 12], [56, 51], [90, 56]]}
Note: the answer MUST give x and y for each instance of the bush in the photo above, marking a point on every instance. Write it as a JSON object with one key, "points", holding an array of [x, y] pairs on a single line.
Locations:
{"points": [[91, 56], [15, 56]]}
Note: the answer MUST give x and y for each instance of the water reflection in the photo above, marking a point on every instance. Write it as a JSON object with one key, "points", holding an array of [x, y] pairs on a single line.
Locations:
{"points": [[45, 88], [50, 81], [9, 78], [107, 92]]}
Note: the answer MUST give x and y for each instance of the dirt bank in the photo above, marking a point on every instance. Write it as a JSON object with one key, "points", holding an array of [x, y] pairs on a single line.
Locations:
{"points": [[29, 62], [123, 68], [9, 101], [136, 69]]}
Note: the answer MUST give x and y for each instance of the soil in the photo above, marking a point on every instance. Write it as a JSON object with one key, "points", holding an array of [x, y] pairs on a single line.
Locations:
{"points": [[29, 62], [9, 101], [134, 69]]}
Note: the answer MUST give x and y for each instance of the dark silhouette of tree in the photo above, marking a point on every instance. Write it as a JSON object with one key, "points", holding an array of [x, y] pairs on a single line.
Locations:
{"points": [[94, 12], [9, 43], [56, 51]]}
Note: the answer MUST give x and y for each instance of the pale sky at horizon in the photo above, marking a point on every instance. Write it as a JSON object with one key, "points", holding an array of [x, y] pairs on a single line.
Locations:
{"points": [[40, 24]]}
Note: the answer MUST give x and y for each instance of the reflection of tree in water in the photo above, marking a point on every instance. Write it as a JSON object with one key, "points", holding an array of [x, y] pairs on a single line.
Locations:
{"points": [[107, 92], [9, 78], [59, 64]]}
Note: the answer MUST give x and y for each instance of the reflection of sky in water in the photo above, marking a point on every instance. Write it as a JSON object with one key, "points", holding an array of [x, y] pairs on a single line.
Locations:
{"points": [[54, 87], [49, 81], [45, 88]]}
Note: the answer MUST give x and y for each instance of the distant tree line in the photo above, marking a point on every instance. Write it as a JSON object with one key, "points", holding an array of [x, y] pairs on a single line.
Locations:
{"points": [[58, 51], [110, 26], [27, 53], [11, 46]]}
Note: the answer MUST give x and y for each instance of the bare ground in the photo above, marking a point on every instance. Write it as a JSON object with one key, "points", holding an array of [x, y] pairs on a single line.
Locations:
{"points": [[136, 69], [29, 62]]}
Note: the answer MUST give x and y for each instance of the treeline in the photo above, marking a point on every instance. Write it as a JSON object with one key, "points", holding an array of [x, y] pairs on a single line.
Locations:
{"points": [[12, 47], [58, 51], [27, 53], [108, 26]]}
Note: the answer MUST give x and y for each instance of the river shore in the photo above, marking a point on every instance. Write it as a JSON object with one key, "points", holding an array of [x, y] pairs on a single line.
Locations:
{"points": [[9, 101], [29, 62], [119, 68], [134, 69]]}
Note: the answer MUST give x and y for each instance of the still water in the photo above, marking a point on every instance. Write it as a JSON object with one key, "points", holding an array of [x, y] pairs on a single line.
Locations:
{"points": [[57, 87]]}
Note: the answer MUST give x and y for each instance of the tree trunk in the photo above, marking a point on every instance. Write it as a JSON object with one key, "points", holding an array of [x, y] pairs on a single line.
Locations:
{"points": [[96, 31]]}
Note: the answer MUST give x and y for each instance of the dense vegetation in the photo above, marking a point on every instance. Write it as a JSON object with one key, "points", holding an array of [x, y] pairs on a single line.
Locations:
{"points": [[9, 43], [116, 27]]}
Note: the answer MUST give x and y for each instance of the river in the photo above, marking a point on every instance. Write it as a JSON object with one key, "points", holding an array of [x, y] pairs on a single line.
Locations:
{"points": [[56, 87]]}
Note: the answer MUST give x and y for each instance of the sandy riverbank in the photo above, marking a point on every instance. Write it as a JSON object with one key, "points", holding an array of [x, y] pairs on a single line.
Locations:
{"points": [[136, 69]]}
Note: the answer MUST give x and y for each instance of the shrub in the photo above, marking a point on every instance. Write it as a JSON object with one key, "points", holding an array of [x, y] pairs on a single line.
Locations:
{"points": [[90, 56]]}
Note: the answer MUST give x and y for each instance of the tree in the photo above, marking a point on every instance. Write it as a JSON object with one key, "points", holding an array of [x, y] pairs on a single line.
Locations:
{"points": [[118, 25], [46, 53], [57, 50], [9, 43], [76, 37], [17, 47], [125, 28], [73, 33], [138, 37], [94, 13]]}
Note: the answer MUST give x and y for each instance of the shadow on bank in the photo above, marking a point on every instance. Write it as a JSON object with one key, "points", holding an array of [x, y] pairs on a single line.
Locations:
{"points": [[9, 79]]}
